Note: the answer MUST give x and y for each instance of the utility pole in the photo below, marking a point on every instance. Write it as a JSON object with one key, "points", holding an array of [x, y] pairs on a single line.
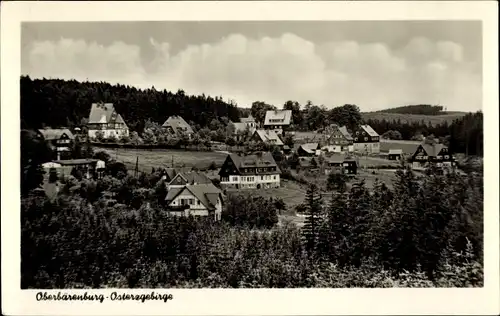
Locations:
{"points": [[136, 171], [172, 161]]}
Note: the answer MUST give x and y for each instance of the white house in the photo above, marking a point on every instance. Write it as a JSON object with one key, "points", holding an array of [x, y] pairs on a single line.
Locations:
{"points": [[251, 171], [245, 123], [103, 118], [195, 200], [278, 120]]}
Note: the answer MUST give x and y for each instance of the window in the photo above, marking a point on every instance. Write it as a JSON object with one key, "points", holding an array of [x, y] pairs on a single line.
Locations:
{"points": [[356, 139], [191, 201], [198, 202], [262, 177], [357, 133], [274, 177], [446, 157], [366, 139]]}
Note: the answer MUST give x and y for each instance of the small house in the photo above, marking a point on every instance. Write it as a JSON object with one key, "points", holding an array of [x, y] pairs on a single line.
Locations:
{"points": [[338, 139], [427, 154], [350, 166], [308, 150], [59, 140], [176, 125], [87, 168], [395, 154], [268, 137]]}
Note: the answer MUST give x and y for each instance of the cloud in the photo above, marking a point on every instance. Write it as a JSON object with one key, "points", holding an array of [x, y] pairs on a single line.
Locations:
{"points": [[371, 75]]}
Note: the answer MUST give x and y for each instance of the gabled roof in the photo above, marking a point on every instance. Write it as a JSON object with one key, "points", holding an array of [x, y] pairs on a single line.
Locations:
{"points": [[284, 115], [345, 132], [395, 151], [305, 161], [249, 119], [432, 150], [102, 113], [206, 193], [177, 122], [262, 160], [51, 134], [310, 147], [269, 136], [369, 130], [193, 177]]}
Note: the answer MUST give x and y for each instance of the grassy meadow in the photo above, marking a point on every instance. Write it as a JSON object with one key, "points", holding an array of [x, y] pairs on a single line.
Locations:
{"points": [[433, 119]]}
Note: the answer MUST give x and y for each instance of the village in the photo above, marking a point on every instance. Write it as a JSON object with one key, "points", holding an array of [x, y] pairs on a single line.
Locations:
{"points": [[256, 165]]}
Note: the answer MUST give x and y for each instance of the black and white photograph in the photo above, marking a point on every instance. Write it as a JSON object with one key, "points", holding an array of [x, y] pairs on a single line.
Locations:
{"points": [[251, 154]]}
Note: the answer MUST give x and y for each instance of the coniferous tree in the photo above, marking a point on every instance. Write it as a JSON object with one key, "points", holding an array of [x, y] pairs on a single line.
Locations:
{"points": [[313, 218]]}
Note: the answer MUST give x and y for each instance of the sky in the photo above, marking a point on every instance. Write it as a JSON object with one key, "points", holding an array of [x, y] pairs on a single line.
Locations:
{"points": [[373, 64]]}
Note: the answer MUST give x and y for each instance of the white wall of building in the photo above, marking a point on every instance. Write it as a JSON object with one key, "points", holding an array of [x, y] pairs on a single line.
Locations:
{"points": [[196, 208], [108, 132], [252, 180], [373, 148]]}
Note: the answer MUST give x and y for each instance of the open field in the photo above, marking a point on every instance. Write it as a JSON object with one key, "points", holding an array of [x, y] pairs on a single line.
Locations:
{"points": [[434, 119], [163, 158], [291, 192], [407, 146]]}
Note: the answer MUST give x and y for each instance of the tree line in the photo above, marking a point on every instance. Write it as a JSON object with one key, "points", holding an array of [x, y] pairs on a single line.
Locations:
{"points": [[419, 109], [58, 103], [115, 232]]}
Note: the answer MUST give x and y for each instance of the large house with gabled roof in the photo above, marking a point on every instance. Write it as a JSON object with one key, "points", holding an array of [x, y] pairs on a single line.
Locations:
{"points": [[278, 120], [366, 139], [338, 139], [195, 200], [427, 154], [250, 171], [104, 120]]}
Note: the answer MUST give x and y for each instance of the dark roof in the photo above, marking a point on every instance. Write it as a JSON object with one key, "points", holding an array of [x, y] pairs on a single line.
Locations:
{"points": [[262, 160], [433, 150], [310, 147]]}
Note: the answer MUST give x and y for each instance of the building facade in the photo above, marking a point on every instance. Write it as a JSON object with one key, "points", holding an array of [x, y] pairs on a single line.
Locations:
{"points": [[105, 122], [366, 140], [195, 200], [176, 125], [268, 137], [427, 154], [59, 140], [278, 120], [250, 172], [338, 139]]}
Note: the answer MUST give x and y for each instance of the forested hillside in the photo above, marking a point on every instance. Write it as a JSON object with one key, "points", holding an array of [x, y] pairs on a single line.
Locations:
{"points": [[423, 109], [54, 102]]}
